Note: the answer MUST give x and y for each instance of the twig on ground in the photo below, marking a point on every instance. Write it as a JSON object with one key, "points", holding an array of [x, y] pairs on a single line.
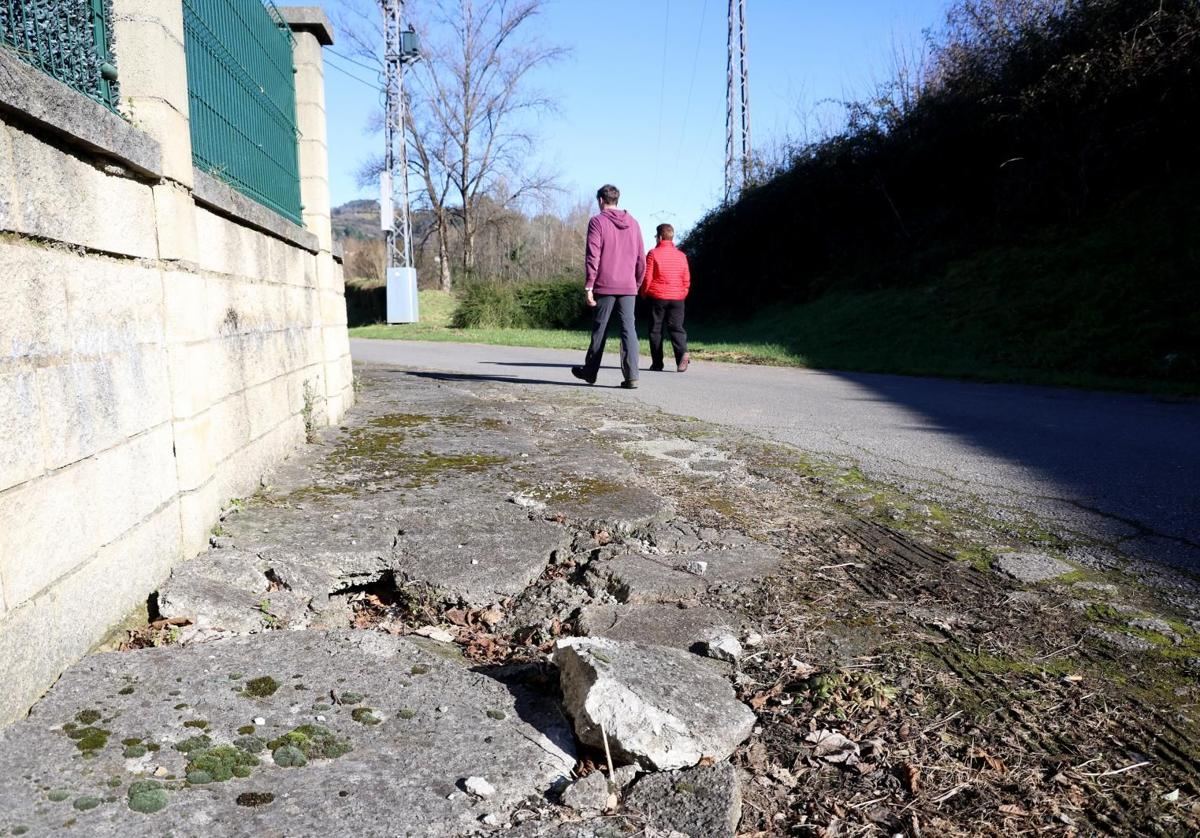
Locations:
{"points": [[943, 798], [1116, 770], [938, 724]]}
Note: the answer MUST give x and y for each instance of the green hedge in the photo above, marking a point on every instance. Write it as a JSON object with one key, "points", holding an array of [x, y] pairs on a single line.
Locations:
{"points": [[553, 304]]}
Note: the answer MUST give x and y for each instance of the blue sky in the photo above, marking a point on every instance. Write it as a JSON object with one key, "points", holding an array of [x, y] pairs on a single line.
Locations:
{"points": [[642, 93]]}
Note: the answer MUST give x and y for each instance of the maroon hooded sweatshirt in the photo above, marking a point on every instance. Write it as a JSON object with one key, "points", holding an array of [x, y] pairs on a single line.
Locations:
{"points": [[616, 260]]}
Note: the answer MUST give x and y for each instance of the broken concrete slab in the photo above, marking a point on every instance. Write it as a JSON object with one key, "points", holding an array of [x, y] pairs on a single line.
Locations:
{"points": [[603, 497], [594, 827], [1032, 567], [282, 733], [656, 624], [637, 578], [476, 554], [221, 587], [705, 801], [662, 708]]}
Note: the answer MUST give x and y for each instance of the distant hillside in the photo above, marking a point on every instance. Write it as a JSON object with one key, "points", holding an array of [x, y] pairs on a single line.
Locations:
{"points": [[357, 220]]}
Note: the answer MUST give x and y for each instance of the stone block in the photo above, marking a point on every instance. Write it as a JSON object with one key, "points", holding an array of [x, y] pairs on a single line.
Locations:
{"points": [[113, 304], [50, 526], [335, 343], [21, 454], [190, 376], [34, 326], [230, 427], [185, 297], [175, 212], [301, 305], [141, 379], [333, 310], [198, 511], [8, 179], [231, 365], [152, 59], [44, 636], [80, 404], [267, 406], [194, 451], [329, 278], [171, 129], [67, 198], [90, 405]]}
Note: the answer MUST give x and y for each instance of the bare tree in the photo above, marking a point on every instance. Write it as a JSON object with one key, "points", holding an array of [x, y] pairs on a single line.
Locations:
{"points": [[469, 108]]}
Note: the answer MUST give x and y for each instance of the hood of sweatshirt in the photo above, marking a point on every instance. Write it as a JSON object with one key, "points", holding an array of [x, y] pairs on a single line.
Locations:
{"points": [[619, 218]]}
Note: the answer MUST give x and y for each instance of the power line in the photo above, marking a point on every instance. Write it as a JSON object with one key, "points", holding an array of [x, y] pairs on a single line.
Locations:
{"points": [[692, 82], [347, 73], [662, 93], [345, 57]]}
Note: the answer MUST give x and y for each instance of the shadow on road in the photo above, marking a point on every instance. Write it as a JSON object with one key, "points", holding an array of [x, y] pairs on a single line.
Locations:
{"points": [[502, 379], [1130, 460]]}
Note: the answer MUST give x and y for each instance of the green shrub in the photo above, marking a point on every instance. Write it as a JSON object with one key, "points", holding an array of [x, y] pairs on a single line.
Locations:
{"points": [[552, 304]]}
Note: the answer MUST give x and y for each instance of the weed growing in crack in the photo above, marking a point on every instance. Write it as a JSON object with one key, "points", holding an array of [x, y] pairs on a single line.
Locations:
{"points": [[310, 402]]}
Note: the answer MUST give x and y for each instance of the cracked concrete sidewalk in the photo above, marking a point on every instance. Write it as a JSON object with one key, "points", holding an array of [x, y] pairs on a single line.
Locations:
{"points": [[370, 636]]}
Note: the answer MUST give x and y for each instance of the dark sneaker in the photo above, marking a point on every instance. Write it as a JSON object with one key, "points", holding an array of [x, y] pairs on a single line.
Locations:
{"points": [[683, 362], [629, 384], [656, 368], [581, 374]]}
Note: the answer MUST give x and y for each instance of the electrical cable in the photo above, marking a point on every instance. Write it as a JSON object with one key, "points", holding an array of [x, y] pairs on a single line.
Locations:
{"points": [[345, 57], [361, 81], [692, 82], [662, 93]]}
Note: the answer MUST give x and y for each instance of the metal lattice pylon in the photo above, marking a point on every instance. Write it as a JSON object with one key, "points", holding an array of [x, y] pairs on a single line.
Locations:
{"points": [[394, 179], [739, 157]]}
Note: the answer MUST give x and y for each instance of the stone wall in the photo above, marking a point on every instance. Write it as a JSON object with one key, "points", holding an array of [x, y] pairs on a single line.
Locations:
{"points": [[165, 340]]}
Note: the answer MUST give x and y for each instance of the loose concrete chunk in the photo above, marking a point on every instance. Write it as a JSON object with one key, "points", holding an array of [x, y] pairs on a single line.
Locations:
{"points": [[722, 647], [666, 578], [476, 554], [656, 624], [662, 708], [1032, 567], [238, 720], [589, 794], [696, 802], [479, 786], [221, 587]]}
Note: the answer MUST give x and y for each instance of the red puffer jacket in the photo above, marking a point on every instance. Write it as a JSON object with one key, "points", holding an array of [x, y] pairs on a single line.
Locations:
{"points": [[667, 274]]}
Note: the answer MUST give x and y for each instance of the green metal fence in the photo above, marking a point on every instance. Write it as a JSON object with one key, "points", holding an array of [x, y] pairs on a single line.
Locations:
{"points": [[242, 99], [68, 39]]}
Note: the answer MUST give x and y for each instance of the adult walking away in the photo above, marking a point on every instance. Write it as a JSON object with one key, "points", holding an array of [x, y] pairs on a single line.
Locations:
{"points": [[615, 265], [668, 280]]}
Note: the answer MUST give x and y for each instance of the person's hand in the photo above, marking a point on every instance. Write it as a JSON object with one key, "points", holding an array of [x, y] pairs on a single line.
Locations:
{"points": [[591, 299]]}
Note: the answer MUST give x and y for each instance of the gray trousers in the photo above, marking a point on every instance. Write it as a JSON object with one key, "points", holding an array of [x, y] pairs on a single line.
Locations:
{"points": [[605, 303]]}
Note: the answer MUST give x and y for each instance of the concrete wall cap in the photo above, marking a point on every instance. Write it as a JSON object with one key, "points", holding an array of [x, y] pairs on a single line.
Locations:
{"points": [[309, 19], [31, 95], [226, 200]]}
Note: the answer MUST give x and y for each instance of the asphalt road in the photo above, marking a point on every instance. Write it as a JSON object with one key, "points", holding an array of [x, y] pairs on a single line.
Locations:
{"points": [[1123, 468]]}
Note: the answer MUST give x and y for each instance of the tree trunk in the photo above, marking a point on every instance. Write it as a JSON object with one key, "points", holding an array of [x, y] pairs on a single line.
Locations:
{"points": [[443, 236]]}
